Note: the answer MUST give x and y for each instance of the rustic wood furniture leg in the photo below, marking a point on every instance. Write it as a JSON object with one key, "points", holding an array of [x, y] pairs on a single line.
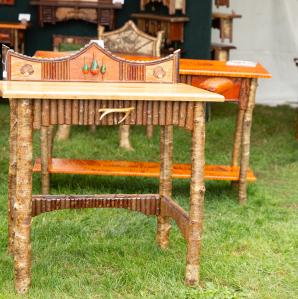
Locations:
{"points": [[124, 140], [165, 189], [243, 100], [197, 191], [149, 131], [12, 170], [63, 132], [237, 137], [45, 154], [50, 141], [23, 205], [245, 147]]}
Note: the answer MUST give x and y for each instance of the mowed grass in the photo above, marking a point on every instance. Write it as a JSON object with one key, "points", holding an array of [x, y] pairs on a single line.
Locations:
{"points": [[247, 251]]}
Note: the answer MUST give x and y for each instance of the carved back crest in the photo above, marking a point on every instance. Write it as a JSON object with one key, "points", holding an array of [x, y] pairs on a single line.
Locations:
{"points": [[92, 64]]}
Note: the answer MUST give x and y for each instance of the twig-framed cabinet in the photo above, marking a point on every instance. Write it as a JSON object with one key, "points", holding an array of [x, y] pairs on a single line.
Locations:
{"points": [[94, 11]]}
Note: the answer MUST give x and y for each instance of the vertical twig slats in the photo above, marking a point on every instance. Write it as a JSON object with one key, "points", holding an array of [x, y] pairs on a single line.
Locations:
{"points": [[147, 204], [86, 112]]}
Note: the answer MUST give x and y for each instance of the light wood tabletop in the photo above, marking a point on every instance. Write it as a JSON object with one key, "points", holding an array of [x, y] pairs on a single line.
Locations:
{"points": [[106, 91]]}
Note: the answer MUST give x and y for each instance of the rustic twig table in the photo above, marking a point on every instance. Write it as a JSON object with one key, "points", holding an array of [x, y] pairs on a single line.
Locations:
{"points": [[38, 103]]}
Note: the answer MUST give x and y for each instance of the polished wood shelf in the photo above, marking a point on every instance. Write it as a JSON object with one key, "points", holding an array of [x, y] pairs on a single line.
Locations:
{"points": [[142, 169]]}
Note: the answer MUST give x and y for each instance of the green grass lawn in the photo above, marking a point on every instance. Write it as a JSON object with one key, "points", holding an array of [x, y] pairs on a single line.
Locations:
{"points": [[248, 252]]}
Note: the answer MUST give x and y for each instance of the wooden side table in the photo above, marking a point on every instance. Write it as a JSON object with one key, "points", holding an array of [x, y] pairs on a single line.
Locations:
{"points": [[34, 102], [12, 33]]}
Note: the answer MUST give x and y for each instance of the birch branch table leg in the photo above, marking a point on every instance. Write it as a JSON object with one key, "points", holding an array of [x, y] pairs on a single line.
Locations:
{"points": [[50, 141], [149, 131], [165, 188], [63, 132], [245, 151], [197, 192], [243, 100], [23, 205], [12, 171], [237, 138], [45, 156], [124, 136]]}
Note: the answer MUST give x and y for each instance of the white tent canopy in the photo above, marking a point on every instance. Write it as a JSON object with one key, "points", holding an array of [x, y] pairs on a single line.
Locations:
{"points": [[268, 33]]}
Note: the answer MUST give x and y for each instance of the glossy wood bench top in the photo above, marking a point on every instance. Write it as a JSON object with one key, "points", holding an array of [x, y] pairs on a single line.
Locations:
{"points": [[191, 66], [106, 91], [142, 169], [13, 25]]}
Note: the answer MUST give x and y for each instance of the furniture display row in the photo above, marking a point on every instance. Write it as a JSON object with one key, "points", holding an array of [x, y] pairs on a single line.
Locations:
{"points": [[173, 5], [12, 34], [94, 11], [127, 39], [103, 98]]}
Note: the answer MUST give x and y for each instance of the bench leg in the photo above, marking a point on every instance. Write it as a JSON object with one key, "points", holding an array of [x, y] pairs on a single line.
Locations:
{"points": [[23, 205], [12, 172], [245, 147], [165, 189], [197, 192]]}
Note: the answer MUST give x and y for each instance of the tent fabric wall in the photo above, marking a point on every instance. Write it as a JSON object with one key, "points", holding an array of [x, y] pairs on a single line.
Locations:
{"points": [[268, 33]]}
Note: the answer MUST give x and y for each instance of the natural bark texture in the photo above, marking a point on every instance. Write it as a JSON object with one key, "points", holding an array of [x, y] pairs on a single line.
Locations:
{"points": [[147, 204], [165, 188], [237, 138], [124, 137], [247, 123], [149, 131], [197, 191], [45, 156], [12, 170], [63, 132], [243, 101], [23, 204]]}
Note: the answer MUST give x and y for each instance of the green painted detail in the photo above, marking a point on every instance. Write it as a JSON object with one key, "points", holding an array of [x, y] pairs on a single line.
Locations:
{"points": [[103, 69]]}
